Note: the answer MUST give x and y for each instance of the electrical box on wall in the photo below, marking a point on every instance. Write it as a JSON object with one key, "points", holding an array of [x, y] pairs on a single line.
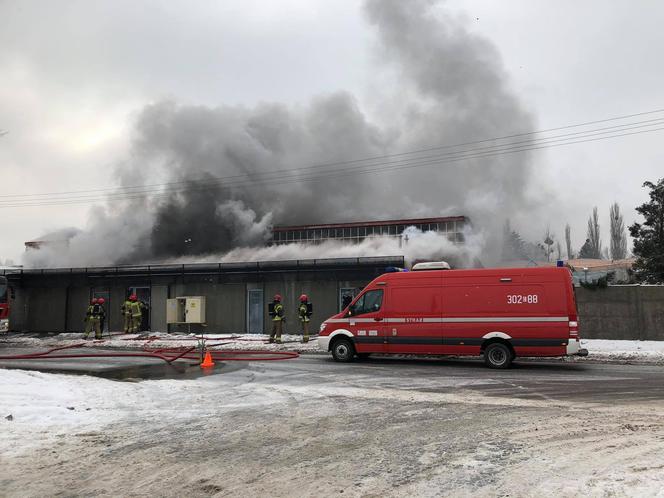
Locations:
{"points": [[189, 309]]}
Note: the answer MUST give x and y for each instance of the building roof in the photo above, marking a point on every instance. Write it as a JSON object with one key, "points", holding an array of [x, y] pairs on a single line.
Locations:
{"points": [[600, 264], [251, 267], [416, 221]]}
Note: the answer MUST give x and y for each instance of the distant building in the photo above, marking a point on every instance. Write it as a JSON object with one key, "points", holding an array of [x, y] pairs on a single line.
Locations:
{"points": [[452, 226]]}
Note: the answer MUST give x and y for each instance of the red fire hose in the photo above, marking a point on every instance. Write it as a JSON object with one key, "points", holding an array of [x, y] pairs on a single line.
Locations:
{"points": [[168, 355]]}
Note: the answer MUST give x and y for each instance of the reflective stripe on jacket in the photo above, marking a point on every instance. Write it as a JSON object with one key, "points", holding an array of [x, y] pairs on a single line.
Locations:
{"points": [[126, 307], [135, 309], [302, 313], [278, 312]]}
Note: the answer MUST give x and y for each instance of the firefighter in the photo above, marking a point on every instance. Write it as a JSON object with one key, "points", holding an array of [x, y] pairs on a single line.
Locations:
{"points": [[101, 301], [277, 315], [304, 314], [93, 319], [88, 316], [136, 311], [125, 309]]}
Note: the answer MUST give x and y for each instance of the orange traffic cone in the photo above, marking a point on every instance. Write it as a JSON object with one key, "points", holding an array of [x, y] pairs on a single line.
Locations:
{"points": [[207, 361]]}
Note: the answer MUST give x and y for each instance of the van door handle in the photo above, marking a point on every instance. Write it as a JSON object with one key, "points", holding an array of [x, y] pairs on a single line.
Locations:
{"points": [[378, 319]]}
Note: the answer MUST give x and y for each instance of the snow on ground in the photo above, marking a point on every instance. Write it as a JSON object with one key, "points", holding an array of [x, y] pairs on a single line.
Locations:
{"points": [[633, 351], [44, 407]]}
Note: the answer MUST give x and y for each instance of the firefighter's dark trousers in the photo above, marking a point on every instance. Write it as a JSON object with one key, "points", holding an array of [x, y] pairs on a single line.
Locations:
{"points": [[92, 322]]}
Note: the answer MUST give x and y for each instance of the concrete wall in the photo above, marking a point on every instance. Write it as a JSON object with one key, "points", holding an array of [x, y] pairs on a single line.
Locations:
{"points": [[622, 312], [46, 309]]}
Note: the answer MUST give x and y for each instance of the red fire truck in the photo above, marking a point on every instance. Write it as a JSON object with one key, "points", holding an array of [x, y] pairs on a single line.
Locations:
{"points": [[497, 313], [4, 305]]}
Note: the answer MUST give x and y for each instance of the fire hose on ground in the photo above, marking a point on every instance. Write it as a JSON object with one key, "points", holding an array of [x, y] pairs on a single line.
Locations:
{"points": [[169, 355]]}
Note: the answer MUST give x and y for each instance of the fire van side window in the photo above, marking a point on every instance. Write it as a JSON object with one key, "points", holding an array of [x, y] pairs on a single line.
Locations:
{"points": [[369, 302]]}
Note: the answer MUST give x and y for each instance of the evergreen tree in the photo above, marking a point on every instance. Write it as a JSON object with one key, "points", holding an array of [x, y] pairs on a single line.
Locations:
{"points": [[618, 236], [586, 251], [593, 236], [568, 241], [513, 245], [649, 236]]}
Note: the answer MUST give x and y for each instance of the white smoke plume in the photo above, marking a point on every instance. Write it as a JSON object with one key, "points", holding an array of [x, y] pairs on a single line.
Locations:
{"points": [[413, 244], [449, 86]]}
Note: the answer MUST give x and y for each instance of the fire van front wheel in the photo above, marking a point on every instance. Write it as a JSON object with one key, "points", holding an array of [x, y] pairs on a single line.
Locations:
{"points": [[498, 355], [343, 350]]}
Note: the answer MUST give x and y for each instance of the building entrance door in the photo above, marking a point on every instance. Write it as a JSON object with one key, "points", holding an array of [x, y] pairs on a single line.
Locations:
{"points": [[143, 295], [255, 311]]}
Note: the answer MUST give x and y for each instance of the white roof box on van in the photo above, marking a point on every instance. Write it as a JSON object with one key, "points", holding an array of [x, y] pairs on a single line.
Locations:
{"points": [[431, 265]]}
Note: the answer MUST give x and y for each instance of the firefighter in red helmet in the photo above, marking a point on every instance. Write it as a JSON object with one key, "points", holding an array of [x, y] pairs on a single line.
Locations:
{"points": [[102, 318], [125, 310], [304, 314], [136, 312], [276, 311], [93, 319]]}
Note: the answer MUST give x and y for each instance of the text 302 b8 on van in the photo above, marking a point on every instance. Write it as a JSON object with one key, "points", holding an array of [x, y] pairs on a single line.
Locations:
{"points": [[498, 313]]}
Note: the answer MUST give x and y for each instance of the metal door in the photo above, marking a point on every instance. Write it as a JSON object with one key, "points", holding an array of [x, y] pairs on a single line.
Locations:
{"points": [[255, 311]]}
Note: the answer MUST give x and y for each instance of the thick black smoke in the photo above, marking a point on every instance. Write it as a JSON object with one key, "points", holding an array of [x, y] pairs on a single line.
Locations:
{"points": [[233, 165]]}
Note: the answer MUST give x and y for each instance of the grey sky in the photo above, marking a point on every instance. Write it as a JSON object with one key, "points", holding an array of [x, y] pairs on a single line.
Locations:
{"points": [[75, 75]]}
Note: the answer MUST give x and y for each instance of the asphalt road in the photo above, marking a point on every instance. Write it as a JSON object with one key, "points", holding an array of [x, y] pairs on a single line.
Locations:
{"points": [[527, 379], [563, 381]]}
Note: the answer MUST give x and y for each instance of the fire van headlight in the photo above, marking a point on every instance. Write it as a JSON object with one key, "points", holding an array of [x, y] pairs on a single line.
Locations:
{"points": [[4, 325], [322, 326]]}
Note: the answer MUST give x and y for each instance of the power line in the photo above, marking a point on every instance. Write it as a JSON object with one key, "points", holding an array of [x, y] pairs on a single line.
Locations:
{"points": [[381, 167], [367, 159], [275, 181]]}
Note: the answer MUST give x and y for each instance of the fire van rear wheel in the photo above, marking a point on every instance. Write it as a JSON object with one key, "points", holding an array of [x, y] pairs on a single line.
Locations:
{"points": [[498, 355], [343, 350]]}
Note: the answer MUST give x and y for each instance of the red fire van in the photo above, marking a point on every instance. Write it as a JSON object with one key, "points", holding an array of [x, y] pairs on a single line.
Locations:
{"points": [[497, 313]]}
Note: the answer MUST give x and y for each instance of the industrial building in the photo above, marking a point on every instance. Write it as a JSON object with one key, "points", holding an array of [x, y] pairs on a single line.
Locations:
{"points": [[452, 226], [236, 294]]}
